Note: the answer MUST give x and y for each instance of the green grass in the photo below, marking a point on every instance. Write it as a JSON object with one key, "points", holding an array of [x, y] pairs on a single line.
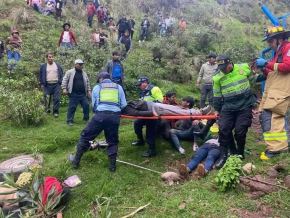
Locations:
{"points": [[128, 187], [131, 187]]}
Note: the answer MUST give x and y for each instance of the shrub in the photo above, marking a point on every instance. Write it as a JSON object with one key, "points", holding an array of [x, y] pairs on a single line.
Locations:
{"points": [[22, 108], [228, 176]]}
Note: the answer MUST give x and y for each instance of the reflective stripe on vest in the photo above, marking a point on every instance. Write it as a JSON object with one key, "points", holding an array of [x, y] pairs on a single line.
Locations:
{"points": [[147, 95], [109, 94], [234, 83], [275, 136]]}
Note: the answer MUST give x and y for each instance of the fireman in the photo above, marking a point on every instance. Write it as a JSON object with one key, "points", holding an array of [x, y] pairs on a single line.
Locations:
{"points": [[276, 99]]}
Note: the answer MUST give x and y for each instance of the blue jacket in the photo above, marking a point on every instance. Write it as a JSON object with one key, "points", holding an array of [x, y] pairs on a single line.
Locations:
{"points": [[42, 74], [105, 107]]}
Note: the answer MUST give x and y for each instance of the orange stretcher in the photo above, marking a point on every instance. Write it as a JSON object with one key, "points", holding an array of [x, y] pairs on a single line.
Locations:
{"points": [[171, 117]]}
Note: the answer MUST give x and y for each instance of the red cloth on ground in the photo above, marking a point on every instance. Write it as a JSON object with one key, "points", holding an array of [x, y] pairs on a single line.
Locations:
{"points": [[48, 184]]}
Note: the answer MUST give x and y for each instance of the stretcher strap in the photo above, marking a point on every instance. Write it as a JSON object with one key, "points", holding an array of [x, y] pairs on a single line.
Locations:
{"points": [[170, 117]]}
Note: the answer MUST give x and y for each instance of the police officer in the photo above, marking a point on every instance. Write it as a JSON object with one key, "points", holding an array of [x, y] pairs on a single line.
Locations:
{"points": [[276, 98], [108, 99], [149, 93], [233, 100]]}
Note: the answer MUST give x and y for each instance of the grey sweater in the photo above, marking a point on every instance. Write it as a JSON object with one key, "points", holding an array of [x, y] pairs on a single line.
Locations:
{"points": [[68, 79], [206, 73]]}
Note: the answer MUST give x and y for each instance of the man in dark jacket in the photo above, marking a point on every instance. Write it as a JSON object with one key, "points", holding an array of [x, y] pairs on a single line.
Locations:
{"points": [[122, 25], [50, 78], [144, 28]]}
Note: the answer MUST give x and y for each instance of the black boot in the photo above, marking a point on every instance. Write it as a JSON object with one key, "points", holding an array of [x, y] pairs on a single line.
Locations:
{"points": [[223, 158], [149, 153], [72, 159], [112, 166]]}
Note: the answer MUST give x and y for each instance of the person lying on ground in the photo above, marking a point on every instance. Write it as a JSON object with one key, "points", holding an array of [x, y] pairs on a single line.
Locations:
{"points": [[210, 152], [190, 130], [157, 109]]}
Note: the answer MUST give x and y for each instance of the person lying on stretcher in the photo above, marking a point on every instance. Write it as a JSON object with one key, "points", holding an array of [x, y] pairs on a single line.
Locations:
{"points": [[148, 109]]}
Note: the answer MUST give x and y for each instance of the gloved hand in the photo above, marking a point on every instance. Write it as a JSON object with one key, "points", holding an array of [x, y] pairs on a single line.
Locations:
{"points": [[261, 62]]}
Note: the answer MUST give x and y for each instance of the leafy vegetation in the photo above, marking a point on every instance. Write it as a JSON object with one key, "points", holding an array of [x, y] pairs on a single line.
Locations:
{"points": [[228, 176], [235, 29]]}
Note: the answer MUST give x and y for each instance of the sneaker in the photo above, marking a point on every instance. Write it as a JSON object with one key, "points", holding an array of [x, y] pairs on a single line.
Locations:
{"points": [[55, 115], [70, 124], [201, 171], [71, 159], [207, 110], [181, 150], [183, 171], [138, 143], [194, 147]]}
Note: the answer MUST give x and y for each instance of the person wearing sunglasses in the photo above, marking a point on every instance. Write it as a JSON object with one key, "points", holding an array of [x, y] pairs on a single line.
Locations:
{"points": [[234, 100], [276, 99]]}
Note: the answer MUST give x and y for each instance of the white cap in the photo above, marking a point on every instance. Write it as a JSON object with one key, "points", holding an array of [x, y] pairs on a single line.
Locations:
{"points": [[79, 61]]}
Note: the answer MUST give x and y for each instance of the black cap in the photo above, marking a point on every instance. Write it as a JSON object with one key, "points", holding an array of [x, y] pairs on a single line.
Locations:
{"points": [[222, 61], [103, 75], [142, 79]]}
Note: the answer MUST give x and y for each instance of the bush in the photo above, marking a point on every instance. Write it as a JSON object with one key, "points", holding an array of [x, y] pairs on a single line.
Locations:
{"points": [[22, 108], [228, 176]]}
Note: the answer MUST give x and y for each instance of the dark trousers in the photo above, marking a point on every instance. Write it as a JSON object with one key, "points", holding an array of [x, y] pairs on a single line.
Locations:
{"points": [[206, 92], [209, 152], [150, 131], [74, 100], [144, 33], [120, 33], [106, 121], [90, 20], [52, 90], [239, 121]]}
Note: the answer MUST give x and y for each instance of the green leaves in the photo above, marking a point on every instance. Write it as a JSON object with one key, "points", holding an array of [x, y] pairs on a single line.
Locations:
{"points": [[228, 176]]}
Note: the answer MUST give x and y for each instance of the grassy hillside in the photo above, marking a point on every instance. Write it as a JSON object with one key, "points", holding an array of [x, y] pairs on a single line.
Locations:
{"points": [[234, 28]]}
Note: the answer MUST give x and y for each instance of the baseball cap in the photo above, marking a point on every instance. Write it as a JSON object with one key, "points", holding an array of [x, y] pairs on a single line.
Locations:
{"points": [[222, 61], [79, 61], [142, 80], [103, 75]]}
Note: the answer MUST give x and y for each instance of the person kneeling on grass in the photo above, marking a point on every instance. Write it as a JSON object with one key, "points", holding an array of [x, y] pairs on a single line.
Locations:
{"points": [[210, 152]]}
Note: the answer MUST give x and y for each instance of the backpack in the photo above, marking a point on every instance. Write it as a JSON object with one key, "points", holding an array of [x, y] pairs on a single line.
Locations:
{"points": [[117, 70]]}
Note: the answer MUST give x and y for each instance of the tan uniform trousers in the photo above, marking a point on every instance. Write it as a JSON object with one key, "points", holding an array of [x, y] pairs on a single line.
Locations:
{"points": [[274, 106]]}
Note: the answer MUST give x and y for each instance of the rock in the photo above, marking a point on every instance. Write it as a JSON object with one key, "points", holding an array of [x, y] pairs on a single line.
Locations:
{"points": [[170, 177], [272, 173], [287, 181], [249, 168], [258, 183]]}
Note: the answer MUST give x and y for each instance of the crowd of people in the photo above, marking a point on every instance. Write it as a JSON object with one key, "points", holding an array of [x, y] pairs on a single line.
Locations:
{"points": [[225, 86]]}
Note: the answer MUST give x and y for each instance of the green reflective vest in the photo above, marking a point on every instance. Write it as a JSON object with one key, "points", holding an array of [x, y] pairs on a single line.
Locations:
{"points": [[152, 94], [233, 89], [109, 94]]}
